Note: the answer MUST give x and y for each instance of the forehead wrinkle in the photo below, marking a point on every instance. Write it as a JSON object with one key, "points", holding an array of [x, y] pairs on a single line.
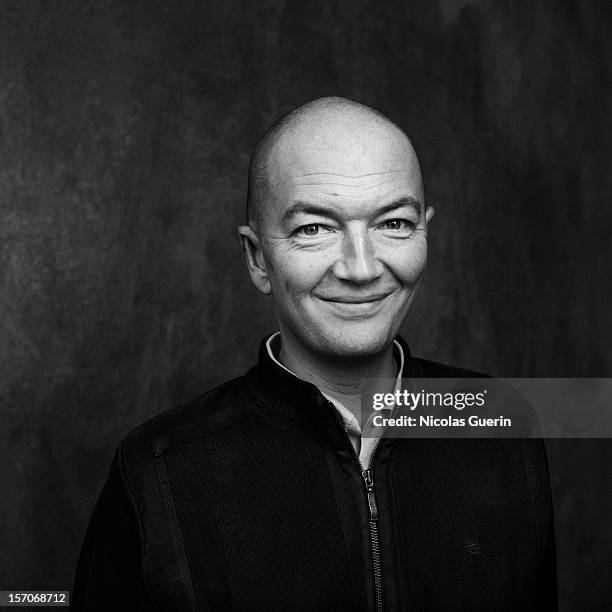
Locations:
{"points": [[359, 186], [329, 183], [335, 194], [331, 208], [377, 185], [356, 176], [299, 182]]}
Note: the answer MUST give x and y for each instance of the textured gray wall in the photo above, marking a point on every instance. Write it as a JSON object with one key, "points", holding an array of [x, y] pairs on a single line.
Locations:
{"points": [[125, 130]]}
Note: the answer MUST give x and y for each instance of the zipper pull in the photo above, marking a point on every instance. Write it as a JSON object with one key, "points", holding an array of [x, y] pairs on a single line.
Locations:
{"points": [[368, 477]]}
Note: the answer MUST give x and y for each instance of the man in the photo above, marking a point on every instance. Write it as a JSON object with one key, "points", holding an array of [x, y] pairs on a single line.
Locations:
{"points": [[262, 494]]}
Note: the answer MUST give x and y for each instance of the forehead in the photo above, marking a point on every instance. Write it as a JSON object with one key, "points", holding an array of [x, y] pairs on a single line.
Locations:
{"points": [[349, 145], [349, 166]]}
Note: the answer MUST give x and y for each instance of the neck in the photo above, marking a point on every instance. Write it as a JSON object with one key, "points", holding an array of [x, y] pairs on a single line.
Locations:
{"points": [[340, 378]]}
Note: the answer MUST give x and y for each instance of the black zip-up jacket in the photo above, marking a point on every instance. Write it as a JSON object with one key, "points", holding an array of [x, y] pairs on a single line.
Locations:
{"points": [[251, 497]]}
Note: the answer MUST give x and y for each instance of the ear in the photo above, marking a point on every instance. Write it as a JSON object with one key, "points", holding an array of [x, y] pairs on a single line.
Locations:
{"points": [[429, 213], [255, 259]]}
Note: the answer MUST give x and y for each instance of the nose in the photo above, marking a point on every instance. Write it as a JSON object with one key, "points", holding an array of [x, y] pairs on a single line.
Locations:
{"points": [[358, 262]]}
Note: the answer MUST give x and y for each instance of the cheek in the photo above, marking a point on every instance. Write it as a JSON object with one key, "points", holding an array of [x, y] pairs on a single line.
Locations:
{"points": [[299, 273], [408, 262]]}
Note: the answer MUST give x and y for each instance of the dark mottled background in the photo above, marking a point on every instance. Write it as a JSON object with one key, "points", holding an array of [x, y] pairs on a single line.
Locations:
{"points": [[125, 131]]}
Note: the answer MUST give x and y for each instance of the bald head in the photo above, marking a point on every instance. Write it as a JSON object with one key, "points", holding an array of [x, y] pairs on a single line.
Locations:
{"points": [[337, 134]]}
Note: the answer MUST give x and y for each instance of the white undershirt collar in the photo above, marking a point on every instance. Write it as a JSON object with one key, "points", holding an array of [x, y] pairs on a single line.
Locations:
{"points": [[363, 446]]}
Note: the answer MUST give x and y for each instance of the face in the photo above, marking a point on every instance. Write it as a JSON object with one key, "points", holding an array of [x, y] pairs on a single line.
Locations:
{"points": [[343, 243]]}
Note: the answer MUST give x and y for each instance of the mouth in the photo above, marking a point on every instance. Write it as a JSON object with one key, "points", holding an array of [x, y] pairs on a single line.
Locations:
{"points": [[349, 299], [356, 306]]}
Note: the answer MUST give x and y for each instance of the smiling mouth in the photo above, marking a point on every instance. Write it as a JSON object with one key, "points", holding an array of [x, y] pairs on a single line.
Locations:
{"points": [[355, 299], [356, 306]]}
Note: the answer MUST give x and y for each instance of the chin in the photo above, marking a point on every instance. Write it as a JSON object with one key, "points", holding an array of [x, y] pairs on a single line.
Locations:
{"points": [[354, 343]]}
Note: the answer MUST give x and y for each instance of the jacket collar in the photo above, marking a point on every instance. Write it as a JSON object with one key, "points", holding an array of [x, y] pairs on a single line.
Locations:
{"points": [[293, 398]]}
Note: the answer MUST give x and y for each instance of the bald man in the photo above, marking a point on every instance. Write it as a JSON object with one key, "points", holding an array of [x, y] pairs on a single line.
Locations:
{"points": [[265, 494]]}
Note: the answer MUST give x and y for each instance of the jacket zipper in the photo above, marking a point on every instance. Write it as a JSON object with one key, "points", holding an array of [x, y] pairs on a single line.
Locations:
{"points": [[368, 478]]}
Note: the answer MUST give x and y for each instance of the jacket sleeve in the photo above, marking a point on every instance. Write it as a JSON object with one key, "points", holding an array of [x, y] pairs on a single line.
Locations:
{"points": [[547, 596], [109, 572], [546, 599]]}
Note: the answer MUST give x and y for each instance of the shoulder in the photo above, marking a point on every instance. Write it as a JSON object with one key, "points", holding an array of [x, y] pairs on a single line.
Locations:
{"points": [[222, 406]]}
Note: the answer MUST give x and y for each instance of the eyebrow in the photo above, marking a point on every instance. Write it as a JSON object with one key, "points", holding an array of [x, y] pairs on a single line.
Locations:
{"points": [[325, 211]]}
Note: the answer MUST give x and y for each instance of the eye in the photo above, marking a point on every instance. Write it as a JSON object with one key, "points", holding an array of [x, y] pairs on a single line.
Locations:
{"points": [[311, 230], [398, 225]]}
